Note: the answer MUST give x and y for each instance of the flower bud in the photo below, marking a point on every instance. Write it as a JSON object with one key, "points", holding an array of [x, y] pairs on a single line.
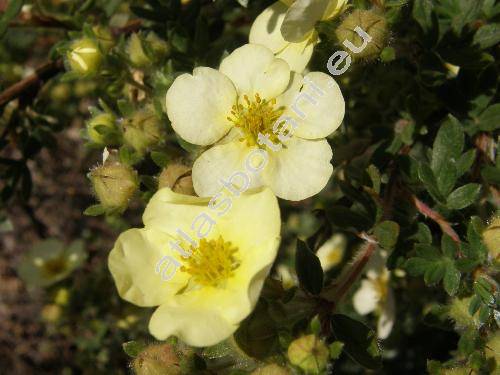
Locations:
{"points": [[178, 178], [157, 360], [491, 237], [272, 369], [459, 313], [373, 23], [114, 184], [146, 51], [104, 37], [142, 130], [84, 56], [309, 353], [100, 128]]}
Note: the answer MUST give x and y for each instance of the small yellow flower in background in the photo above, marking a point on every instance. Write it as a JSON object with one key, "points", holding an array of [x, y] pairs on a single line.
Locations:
{"points": [[376, 295], [331, 252], [50, 261], [214, 284], [287, 28], [255, 108]]}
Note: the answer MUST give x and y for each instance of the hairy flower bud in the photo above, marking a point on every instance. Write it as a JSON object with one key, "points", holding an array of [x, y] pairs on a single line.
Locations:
{"points": [[309, 353], [157, 360], [272, 369], [142, 130], [84, 56], [114, 184], [491, 237], [144, 51], [178, 178], [371, 22], [101, 128]]}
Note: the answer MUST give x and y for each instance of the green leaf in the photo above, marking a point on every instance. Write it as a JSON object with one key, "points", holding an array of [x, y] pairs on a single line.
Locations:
{"points": [[417, 266], [423, 234], [257, 335], [464, 163], [446, 178], [360, 342], [491, 174], [161, 159], [426, 175], [427, 252], [387, 234], [422, 13], [449, 247], [374, 174], [13, 9], [308, 269], [434, 273], [474, 305], [484, 290], [463, 196], [94, 210], [347, 218], [446, 150], [489, 120], [451, 279], [133, 348], [487, 36]]}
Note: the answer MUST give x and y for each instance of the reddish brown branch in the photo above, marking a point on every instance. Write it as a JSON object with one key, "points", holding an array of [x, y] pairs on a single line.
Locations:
{"points": [[435, 216], [34, 81]]}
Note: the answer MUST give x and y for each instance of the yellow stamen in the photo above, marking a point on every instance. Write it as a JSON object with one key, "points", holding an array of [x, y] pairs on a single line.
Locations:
{"points": [[254, 117], [212, 262]]}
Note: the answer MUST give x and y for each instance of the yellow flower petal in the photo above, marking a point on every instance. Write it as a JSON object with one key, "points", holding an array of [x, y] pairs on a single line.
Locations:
{"points": [[301, 18], [300, 170], [254, 69], [321, 115], [195, 327], [132, 263], [298, 55], [225, 162], [198, 105], [266, 30]]}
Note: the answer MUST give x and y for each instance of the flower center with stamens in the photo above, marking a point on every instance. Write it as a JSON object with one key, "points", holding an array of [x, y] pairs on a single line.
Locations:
{"points": [[212, 262], [254, 117]]}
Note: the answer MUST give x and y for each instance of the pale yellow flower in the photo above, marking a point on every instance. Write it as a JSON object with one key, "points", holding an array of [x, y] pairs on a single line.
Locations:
{"points": [[330, 254], [262, 117], [203, 291], [376, 295], [287, 28]]}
